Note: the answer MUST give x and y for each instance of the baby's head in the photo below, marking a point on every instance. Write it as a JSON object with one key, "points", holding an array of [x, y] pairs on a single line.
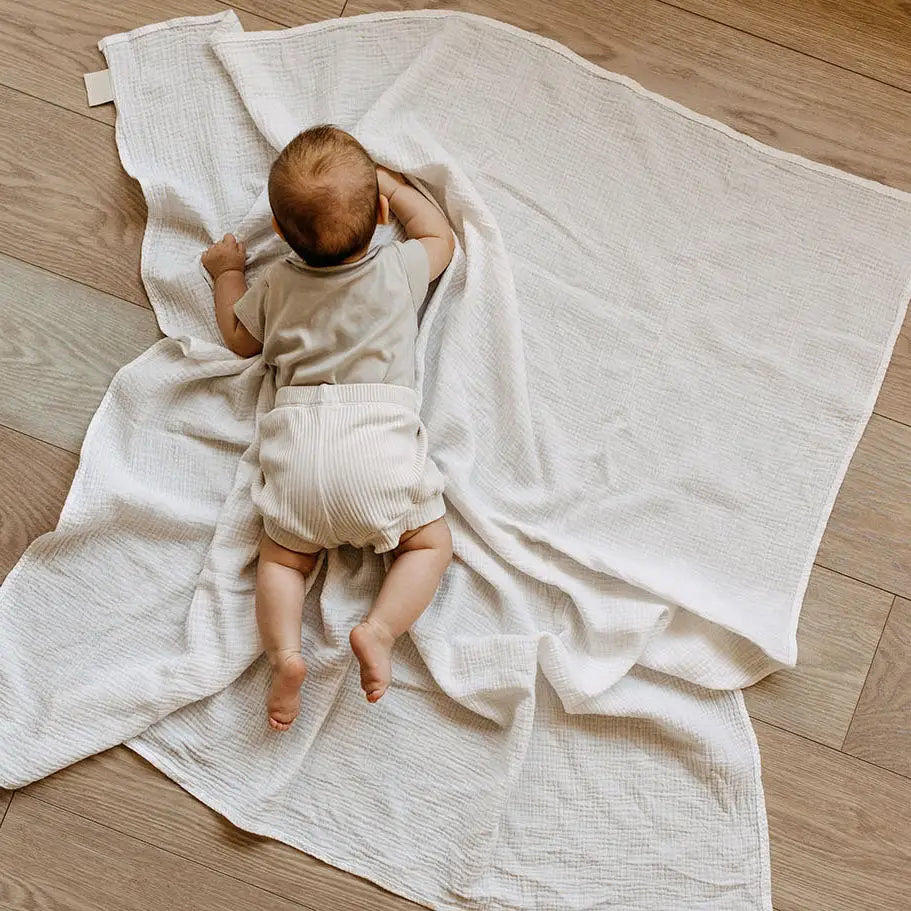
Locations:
{"points": [[324, 197]]}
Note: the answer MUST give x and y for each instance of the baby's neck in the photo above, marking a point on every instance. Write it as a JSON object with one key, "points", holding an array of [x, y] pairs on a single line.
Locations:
{"points": [[356, 256]]}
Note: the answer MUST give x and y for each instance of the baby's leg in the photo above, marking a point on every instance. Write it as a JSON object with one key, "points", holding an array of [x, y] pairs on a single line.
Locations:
{"points": [[420, 561], [280, 589]]}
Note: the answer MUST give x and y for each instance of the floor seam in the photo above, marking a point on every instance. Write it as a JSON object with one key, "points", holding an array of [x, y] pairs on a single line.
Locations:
{"points": [[169, 851], [57, 104], [667, 3], [31, 436], [779, 727], [235, 7], [832, 749], [259, 15], [787, 47], [75, 281], [879, 588], [860, 693], [12, 797], [886, 417]]}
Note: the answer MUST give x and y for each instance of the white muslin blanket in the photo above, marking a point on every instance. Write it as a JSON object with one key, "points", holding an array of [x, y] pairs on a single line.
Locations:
{"points": [[643, 377]]}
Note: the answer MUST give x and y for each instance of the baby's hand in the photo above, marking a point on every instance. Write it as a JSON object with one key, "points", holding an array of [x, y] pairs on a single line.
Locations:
{"points": [[227, 255], [389, 181]]}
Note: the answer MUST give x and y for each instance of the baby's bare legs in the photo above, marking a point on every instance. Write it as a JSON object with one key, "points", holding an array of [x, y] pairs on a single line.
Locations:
{"points": [[280, 589], [420, 561]]}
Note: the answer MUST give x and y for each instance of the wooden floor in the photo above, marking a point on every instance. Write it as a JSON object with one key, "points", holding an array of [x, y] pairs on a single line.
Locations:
{"points": [[830, 79]]}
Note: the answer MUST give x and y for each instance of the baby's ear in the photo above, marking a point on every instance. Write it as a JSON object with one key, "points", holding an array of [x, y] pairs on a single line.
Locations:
{"points": [[382, 210], [276, 228]]}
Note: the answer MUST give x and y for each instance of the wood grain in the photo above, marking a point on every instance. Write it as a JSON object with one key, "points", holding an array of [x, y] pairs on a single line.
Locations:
{"points": [[34, 480], [51, 860], [881, 729], [62, 344], [126, 793], [872, 37], [5, 798], [46, 45], [772, 93], [839, 828], [895, 396], [293, 12], [869, 533], [65, 202], [839, 629]]}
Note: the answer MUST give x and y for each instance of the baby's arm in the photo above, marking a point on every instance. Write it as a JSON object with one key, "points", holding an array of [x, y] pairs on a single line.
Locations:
{"points": [[420, 218], [225, 262]]}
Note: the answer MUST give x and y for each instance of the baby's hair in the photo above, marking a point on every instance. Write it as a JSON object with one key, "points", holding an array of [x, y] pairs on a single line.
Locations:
{"points": [[323, 193]]}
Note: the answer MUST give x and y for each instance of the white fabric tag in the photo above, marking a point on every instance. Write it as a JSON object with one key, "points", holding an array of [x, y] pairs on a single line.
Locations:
{"points": [[98, 87]]}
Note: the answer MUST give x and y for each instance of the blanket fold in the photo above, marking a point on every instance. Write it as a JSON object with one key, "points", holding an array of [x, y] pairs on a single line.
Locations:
{"points": [[643, 377]]}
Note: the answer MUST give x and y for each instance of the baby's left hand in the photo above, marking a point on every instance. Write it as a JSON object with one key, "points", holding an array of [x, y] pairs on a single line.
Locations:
{"points": [[228, 255]]}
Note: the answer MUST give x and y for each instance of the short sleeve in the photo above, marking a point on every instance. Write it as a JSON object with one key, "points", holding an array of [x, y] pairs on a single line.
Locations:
{"points": [[417, 269], [251, 309]]}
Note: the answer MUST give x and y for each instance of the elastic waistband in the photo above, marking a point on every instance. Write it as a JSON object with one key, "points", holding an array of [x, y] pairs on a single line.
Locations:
{"points": [[346, 393]]}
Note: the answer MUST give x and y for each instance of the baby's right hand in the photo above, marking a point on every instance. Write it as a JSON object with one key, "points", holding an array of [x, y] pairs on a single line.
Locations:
{"points": [[228, 255]]}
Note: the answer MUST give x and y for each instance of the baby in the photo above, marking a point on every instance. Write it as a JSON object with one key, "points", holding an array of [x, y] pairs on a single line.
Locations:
{"points": [[343, 453]]}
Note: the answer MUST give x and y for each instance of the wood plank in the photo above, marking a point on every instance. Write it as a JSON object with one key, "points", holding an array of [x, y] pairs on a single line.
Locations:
{"points": [[126, 793], [772, 93], [293, 12], [65, 202], [5, 798], [34, 481], [839, 630], [64, 342], [869, 532], [868, 36], [46, 45], [881, 729], [840, 828], [831, 842], [895, 396], [51, 859]]}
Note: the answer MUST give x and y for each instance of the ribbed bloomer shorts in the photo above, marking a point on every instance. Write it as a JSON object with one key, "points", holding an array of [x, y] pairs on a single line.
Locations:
{"points": [[345, 464]]}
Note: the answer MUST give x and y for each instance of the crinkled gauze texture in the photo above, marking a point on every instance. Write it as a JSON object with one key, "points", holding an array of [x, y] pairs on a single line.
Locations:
{"points": [[642, 378]]}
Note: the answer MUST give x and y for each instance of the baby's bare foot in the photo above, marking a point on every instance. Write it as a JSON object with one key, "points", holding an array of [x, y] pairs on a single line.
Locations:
{"points": [[284, 705], [372, 645]]}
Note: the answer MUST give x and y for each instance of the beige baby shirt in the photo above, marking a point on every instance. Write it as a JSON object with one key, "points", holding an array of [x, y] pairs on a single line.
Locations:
{"points": [[353, 323]]}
